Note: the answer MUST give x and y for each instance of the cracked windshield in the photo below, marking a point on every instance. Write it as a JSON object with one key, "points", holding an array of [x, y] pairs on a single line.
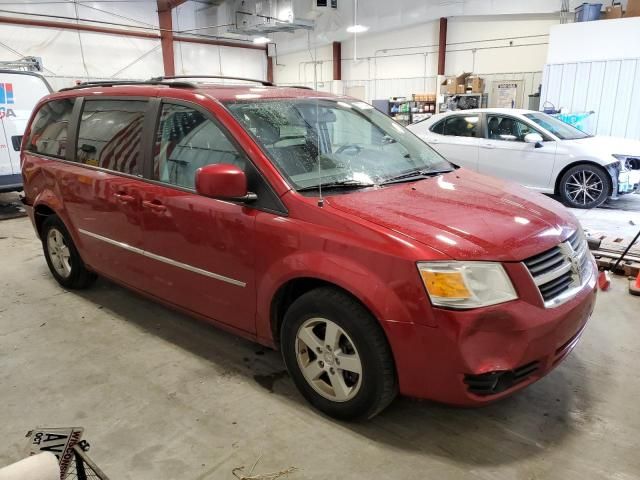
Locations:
{"points": [[336, 143]]}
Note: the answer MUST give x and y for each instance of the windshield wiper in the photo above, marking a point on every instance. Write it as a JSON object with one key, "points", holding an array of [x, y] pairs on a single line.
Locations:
{"points": [[414, 175], [341, 184]]}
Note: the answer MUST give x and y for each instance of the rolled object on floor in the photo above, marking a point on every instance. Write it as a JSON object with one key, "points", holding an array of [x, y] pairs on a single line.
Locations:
{"points": [[594, 243], [43, 466]]}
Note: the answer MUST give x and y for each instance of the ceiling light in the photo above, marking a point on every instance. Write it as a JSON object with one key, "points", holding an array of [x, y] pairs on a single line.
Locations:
{"points": [[357, 29], [261, 40]]}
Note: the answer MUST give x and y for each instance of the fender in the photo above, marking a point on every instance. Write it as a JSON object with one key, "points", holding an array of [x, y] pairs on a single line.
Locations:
{"points": [[365, 284], [49, 199]]}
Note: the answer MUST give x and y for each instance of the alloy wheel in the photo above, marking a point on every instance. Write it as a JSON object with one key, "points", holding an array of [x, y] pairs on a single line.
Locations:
{"points": [[584, 187], [59, 253], [328, 359]]}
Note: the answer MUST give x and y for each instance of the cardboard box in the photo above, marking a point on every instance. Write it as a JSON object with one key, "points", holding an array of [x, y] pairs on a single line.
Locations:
{"points": [[614, 11], [633, 9], [475, 84], [461, 89], [451, 83]]}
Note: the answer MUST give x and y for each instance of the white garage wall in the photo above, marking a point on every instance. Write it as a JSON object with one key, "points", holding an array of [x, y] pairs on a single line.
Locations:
{"points": [[402, 62], [69, 55], [585, 73], [201, 59]]}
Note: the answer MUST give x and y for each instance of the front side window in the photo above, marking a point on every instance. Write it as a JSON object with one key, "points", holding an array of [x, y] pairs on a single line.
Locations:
{"points": [[462, 126], [185, 141], [49, 128], [324, 141], [562, 130], [507, 128], [110, 135]]}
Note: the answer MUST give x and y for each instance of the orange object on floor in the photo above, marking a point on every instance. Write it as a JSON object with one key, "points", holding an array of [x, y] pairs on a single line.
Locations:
{"points": [[604, 281], [634, 287]]}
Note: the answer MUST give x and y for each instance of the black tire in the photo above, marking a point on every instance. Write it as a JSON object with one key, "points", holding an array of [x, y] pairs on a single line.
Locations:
{"points": [[598, 183], [378, 384], [79, 276]]}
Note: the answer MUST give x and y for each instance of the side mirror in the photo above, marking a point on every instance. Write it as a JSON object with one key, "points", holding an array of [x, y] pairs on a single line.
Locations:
{"points": [[224, 182], [534, 138]]}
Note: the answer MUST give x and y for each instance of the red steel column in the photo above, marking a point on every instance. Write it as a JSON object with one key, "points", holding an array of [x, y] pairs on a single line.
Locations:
{"points": [[166, 36], [269, 69], [442, 45], [337, 61]]}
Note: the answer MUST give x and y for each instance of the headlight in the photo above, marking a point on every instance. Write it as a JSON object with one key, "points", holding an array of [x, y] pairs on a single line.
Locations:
{"points": [[466, 284], [624, 161]]}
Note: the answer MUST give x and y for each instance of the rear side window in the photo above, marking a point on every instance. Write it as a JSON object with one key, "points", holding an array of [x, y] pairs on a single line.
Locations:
{"points": [[49, 129], [185, 141], [462, 126], [438, 128], [110, 135]]}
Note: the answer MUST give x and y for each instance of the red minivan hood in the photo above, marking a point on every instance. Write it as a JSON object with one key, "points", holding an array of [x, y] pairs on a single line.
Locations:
{"points": [[465, 215]]}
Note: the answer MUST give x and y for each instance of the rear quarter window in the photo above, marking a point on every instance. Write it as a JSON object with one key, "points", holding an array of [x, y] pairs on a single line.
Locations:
{"points": [[48, 135], [438, 127]]}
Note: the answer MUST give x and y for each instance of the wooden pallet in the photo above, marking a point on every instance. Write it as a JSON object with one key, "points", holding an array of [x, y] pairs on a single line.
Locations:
{"points": [[610, 250]]}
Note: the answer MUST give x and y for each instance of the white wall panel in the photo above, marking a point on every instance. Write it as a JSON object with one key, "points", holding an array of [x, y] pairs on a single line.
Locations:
{"points": [[611, 89], [201, 59]]}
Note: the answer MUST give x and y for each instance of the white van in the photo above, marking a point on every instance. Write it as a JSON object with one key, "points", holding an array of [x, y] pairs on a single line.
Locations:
{"points": [[19, 93]]}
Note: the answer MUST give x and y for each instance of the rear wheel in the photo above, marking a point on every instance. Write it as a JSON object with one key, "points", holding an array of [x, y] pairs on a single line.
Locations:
{"points": [[338, 355], [62, 256], [585, 186]]}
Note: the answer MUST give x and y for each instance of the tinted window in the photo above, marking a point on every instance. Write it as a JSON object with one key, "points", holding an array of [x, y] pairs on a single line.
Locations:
{"points": [[438, 128], [507, 128], [110, 135], [185, 141], [49, 129], [462, 125]]}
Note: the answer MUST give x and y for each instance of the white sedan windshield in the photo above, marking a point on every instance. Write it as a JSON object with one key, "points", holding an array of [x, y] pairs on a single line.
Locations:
{"points": [[562, 130], [323, 141]]}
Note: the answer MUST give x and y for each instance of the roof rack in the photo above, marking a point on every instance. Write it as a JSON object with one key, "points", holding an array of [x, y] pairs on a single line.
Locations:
{"points": [[264, 83], [117, 83]]}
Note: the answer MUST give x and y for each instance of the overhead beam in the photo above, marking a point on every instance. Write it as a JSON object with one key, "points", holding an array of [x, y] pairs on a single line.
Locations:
{"points": [[77, 26], [442, 46], [120, 31], [337, 61]]}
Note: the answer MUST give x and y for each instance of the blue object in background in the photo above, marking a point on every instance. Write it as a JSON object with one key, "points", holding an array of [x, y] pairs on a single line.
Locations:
{"points": [[583, 121]]}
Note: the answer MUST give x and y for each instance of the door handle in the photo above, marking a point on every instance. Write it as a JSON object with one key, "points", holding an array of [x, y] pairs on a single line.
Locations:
{"points": [[488, 146], [154, 206], [124, 198]]}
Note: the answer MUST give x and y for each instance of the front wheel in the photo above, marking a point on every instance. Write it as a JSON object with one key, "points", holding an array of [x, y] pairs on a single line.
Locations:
{"points": [[338, 355], [585, 186]]}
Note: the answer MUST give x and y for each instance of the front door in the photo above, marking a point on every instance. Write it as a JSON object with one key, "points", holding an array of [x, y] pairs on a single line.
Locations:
{"points": [[505, 154], [202, 250]]}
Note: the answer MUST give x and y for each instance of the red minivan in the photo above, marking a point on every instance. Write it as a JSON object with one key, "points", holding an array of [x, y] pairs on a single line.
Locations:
{"points": [[314, 224]]}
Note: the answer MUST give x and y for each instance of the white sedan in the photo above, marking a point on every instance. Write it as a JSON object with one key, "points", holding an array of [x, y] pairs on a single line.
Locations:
{"points": [[536, 150]]}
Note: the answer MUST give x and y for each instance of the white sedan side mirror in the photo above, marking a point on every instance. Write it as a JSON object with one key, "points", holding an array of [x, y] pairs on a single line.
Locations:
{"points": [[534, 138]]}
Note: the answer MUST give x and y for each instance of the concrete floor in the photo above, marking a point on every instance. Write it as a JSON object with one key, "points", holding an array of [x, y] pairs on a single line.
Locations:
{"points": [[162, 396]]}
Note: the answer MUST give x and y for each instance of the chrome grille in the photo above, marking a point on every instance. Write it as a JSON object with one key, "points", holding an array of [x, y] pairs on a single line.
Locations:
{"points": [[562, 270]]}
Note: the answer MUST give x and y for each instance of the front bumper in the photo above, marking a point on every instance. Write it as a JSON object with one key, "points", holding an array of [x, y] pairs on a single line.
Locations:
{"points": [[441, 363]]}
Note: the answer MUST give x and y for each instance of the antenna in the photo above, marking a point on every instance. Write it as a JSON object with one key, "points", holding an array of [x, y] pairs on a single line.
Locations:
{"points": [[314, 56]]}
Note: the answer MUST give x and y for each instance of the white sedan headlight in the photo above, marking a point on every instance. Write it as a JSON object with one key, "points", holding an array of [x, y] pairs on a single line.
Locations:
{"points": [[465, 285]]}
